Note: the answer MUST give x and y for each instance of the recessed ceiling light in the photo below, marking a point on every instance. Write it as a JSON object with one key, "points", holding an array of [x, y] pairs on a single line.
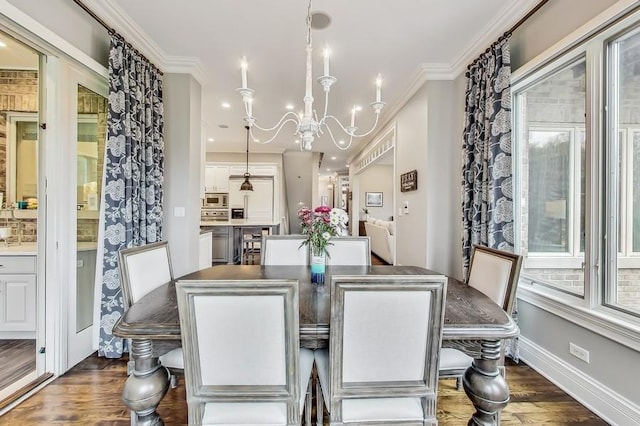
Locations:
{"points": [[347, 166], [333, 158], [226, 105], [210, 139], [297, 141], [341, 142], [2, 44], [289, 107], [358, 108], [256, 140], [328, 170]]}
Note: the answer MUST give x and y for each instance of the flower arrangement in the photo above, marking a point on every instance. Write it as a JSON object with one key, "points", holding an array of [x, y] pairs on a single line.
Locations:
{"points": [[320, 225]]}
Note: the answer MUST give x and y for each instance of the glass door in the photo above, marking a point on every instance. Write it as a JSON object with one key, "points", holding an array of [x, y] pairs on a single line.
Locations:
{"points": [[90, 137]]}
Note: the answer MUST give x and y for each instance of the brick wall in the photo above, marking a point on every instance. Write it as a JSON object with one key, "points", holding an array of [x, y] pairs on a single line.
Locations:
{"points": [[18, 93]]}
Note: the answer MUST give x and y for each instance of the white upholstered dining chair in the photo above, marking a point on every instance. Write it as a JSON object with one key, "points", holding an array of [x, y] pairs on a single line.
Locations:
{"points": [[143, 269], [349, 251], [284, 250], [495, 273], [382, 364], [243, 363]]}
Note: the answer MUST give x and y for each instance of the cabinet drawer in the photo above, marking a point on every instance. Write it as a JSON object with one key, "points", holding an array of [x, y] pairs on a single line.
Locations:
{"points": [[17, 264]]}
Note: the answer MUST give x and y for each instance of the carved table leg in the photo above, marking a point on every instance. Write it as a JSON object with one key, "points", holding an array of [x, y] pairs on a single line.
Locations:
{"points": [[485, 386], [146, 387]]}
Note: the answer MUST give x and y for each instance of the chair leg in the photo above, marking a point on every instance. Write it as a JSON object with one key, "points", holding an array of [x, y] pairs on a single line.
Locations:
{"points": [[319, 403], [459, 383], [307, 406], [173, 381]]}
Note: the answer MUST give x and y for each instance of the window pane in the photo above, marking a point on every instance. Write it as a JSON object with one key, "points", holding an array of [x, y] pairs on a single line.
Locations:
{"points": [[549, 164], [624, 291], [551, 119]]}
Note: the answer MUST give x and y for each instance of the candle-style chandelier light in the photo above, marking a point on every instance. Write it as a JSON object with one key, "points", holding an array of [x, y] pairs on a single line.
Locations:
{"points": [[308, 126]]}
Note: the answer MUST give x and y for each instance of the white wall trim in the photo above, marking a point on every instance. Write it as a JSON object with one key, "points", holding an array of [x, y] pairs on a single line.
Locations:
{"points": [[116, 18], [494, 29], [602, 321], [602, 400]]}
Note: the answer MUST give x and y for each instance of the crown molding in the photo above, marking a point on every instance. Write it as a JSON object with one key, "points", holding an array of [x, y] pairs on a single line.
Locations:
{"points": [[116, 18], [512, 13]]}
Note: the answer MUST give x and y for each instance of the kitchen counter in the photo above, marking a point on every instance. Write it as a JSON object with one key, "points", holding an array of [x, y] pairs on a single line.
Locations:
{"points": [[31, 249], [237, 222], [24, 249]]}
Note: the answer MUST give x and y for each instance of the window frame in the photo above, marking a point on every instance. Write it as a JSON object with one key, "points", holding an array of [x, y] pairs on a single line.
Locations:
{"points": [[591, 311]]}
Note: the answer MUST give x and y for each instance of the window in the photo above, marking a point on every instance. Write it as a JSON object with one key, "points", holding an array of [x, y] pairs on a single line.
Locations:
{"points": [[577, 162], [551, 126]]}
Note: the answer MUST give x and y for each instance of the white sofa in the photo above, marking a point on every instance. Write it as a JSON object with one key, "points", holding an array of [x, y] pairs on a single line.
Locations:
{"points": [[381, 233]]}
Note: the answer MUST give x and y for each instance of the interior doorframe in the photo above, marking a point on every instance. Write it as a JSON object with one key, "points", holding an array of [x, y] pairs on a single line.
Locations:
{"points": [[383, 142], [52, 269]]}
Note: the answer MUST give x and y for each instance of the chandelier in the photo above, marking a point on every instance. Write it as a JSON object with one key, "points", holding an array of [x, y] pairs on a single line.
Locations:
{"points": [[308, 126]]}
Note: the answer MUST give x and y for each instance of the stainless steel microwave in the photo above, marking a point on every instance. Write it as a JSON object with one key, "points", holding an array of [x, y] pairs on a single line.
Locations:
{"points": [[216, 200]]}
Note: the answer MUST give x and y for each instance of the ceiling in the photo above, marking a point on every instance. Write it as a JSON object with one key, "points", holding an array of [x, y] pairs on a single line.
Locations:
{"points": [[407, 42]]}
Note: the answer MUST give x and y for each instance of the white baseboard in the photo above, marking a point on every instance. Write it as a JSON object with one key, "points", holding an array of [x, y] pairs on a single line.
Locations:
{"points": [[605, 402]]}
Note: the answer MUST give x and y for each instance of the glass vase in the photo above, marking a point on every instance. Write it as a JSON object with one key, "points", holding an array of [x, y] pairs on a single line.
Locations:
{"points": [[318, 266]]}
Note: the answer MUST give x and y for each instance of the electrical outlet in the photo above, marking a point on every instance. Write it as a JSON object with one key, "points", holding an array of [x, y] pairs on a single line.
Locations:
{"points": [[579, 352]]}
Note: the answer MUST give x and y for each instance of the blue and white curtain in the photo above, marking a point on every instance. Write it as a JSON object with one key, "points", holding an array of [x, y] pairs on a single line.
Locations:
{"points": [[487, 179], [134, 168], [487, 184]]}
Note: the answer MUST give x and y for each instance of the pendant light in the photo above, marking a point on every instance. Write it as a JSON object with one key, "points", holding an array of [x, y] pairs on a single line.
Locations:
{"points": [[246, 185]]}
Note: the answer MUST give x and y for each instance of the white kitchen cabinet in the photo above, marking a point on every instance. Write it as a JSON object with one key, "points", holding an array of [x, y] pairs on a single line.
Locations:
{"points": [[17, 296], [216, 178], [259, 205], [254, 170]]}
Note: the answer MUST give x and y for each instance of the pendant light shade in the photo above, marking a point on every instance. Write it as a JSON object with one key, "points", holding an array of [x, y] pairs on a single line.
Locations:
{"points": [[246, 185]]}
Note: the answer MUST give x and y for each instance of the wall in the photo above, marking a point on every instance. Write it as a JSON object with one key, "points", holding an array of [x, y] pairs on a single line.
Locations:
{"points": [[378, 179], [301, 176], [541, 330], [70, 22], [183, 160], [553, 21]]}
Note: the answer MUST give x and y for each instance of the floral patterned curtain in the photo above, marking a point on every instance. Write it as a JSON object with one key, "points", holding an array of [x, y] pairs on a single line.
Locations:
{"points": [[487, 199], [487, 181], [134, 166]]}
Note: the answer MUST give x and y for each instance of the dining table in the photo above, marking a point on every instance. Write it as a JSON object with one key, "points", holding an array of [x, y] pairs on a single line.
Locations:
{"points": [[153, 325]]}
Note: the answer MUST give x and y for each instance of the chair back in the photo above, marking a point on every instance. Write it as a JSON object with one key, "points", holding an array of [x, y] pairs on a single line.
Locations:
{"points": [[284, 250], [349, 251], [384, 346], [143, 269], [495, 273], [253, 376]]}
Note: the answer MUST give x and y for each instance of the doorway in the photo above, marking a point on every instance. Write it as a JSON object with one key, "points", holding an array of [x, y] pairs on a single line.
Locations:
{"points": [[21, 334]]}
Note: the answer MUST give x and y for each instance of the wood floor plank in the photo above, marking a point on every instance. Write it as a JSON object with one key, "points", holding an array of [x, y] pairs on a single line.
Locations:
{"points": [[89, 394], [17, 359]]}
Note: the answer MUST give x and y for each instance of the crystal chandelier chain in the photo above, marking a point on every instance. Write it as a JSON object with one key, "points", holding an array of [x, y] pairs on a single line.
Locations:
{"points": [[308, 126]]}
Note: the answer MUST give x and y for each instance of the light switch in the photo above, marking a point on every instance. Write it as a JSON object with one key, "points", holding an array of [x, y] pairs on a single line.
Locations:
{"points": [[179, 211], [406, 207]]}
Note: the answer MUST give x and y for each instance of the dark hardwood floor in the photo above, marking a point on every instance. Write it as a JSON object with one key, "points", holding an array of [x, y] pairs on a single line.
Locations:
{"points": [[17, 359], [89, 394]]}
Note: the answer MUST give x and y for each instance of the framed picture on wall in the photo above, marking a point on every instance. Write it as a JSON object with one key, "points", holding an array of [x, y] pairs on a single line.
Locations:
{"points": [[373, 199]]}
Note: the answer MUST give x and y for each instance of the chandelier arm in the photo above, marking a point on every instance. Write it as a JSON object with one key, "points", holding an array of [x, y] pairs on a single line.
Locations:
{"points": [[324, 121], [343, 148], [326, 104], [281, 123]]}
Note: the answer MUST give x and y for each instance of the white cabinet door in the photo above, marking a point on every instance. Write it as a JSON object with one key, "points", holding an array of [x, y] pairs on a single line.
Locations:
{"points": [[209, 178], [222, 178], [216, 178], [236, 198], [18, 303], [260, 202]]}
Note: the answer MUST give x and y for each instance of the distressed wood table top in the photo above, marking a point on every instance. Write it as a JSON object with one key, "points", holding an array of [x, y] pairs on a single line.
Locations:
{"points": [[469, 314]]}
